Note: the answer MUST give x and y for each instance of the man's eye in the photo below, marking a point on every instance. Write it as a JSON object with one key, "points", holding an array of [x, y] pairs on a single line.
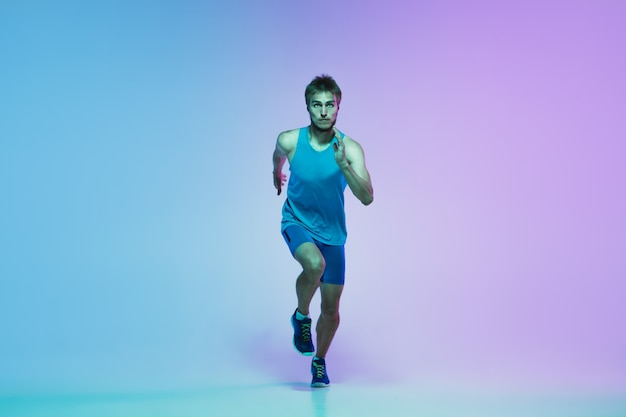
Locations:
{"points": [[317, 105]]}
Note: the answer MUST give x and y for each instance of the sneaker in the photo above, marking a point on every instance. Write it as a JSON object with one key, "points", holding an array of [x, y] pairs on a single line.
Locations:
{"points": [[302, 335], [320, 377]]}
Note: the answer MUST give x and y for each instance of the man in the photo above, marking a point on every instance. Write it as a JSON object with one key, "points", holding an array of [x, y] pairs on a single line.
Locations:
{"points": [[322, 161]]}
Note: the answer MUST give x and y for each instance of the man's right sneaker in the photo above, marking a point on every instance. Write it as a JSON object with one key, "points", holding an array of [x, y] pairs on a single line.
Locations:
{"points": [[302, 335], [320, 377]]}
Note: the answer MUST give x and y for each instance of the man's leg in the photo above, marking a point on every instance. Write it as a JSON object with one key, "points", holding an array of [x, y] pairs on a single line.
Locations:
{"points": [[313, 265], [327, 325], [328, 321]]}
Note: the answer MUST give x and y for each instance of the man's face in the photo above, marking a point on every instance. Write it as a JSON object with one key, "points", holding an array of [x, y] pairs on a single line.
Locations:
{"points": [[323, 109]]}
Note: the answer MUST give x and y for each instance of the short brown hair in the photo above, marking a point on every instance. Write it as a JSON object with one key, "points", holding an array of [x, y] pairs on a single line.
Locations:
{"points": [[322, 83]]}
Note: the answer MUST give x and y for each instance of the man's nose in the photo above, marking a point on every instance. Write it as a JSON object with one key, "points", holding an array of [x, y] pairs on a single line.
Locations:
{"points": [[324, 111]]}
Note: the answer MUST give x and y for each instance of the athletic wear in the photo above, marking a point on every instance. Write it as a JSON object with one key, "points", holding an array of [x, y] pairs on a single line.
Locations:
{"points": [[302, 340], [315, 198], [334, 255], [320, 377]]}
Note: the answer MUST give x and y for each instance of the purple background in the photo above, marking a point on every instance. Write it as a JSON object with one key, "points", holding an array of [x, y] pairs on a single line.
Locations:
{"points": [[140, 229]]}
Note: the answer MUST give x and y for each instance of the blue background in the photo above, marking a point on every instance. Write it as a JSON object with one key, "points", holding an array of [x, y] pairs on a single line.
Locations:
{"points": [[139, 228]]}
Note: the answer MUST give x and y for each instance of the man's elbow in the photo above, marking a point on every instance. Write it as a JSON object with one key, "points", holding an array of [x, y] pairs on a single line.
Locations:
{"points": [[367, 200]]}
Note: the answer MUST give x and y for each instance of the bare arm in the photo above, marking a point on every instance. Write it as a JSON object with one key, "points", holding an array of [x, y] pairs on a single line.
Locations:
{"points": [[285, 146], [351, 159]]}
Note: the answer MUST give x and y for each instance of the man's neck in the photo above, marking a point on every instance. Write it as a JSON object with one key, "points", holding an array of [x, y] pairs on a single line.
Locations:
{"points": [[320, 137]]}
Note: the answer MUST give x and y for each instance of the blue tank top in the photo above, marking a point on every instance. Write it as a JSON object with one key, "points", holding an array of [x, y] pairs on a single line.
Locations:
{"points": [[315, 198]]}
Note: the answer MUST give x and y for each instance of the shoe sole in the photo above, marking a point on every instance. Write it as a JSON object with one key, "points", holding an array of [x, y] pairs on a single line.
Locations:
{"points": [[300, 352], [319, 385]]}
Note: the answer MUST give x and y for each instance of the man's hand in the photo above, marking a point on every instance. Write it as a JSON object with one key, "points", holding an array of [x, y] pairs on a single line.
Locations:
{"points": [[340, 150], [279, 181]]}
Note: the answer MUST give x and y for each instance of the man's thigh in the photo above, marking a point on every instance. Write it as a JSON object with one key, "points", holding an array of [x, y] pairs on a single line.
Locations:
{"points": [[335, 257], [310, 253], [296, 236]]}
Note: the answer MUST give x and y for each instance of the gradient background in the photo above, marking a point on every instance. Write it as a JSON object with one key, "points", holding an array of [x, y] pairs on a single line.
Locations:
{"points": [[139, 228]]}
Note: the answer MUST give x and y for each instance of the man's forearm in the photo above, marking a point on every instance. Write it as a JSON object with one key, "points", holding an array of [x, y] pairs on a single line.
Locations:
{"points": [[360, 187]]}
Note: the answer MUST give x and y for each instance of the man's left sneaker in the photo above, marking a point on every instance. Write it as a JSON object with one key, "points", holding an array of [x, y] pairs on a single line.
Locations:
{"points": [[302, 335], [320, 377]]}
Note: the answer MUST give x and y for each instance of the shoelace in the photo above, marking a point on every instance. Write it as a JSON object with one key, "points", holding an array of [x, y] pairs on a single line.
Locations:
{"points": [[319, 370], [305, 328]]}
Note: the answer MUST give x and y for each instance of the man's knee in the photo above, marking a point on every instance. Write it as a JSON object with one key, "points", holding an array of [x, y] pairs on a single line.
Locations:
{"points": [[312, 261], [314, 265], [331, 295], [330, 308]]}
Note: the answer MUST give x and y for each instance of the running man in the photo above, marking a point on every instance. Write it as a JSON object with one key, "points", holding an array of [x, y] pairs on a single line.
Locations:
{"points": [[322, 161]]}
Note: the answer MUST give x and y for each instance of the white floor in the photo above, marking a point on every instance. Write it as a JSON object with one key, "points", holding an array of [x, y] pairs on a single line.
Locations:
{"points": [[298, 399], [270, 379]]}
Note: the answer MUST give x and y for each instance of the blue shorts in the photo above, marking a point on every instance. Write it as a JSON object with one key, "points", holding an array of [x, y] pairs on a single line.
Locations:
{"points": [[334, 255]]}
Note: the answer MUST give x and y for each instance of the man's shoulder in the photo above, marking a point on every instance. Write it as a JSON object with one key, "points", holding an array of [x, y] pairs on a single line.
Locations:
{"points": [[354, 150], [288, 139], [351, 142], [292, 133]]}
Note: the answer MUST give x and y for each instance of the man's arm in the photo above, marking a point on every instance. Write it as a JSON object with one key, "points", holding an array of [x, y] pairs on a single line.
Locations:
{"points": [[351, 159], [285, 145]]}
